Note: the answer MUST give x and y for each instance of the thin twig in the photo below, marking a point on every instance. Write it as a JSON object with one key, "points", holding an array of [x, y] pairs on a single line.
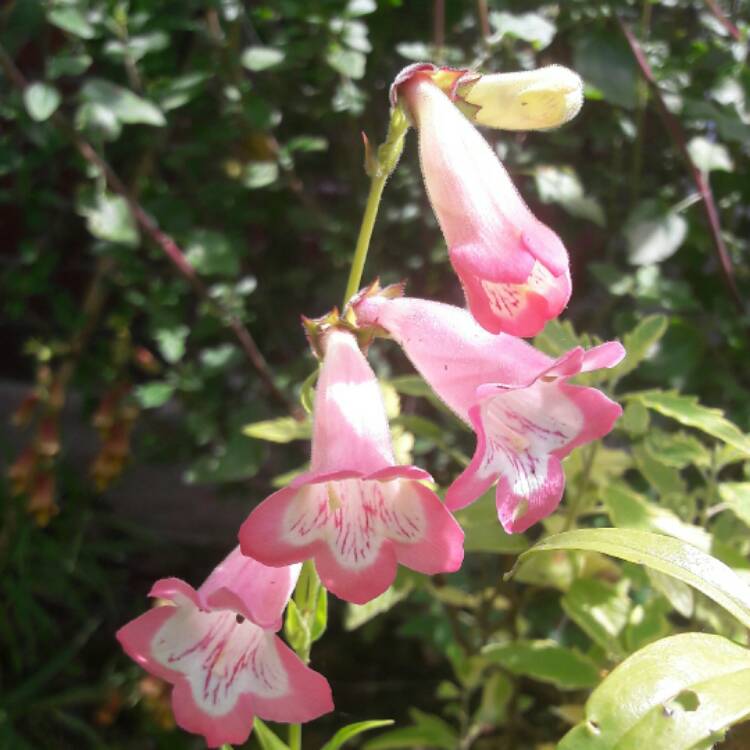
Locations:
{"points": [[484, 19], [678, 136], [713, 6], [166, 243], [438, 28]]}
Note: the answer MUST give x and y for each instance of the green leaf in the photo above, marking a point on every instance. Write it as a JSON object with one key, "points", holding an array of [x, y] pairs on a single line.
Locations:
{"points": [[260, 174], [171, 343], [72, 20], [237, 459], [630, 510], [687, 411], [640, 343], [352, 730], [320, 616], [266, 738], [307, 391], [41, 100], [709, 156], [679, 693], [295, 628], [675, 449], [153, 395], [545, 661], [665, 554], [358, 614], [360, 7], [212, 253], [600, 610], [635, 418], [68, 65], [561, 185], [280, 430], [428, 730], [664, 479], [737, 496], [531, 27], [483, 532], [260, 58], [653, 234], [124, 104], [110, 219], [347, 62], [605, 62], [558, 337]]}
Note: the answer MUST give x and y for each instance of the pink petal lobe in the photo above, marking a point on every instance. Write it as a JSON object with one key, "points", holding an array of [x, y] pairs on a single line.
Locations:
{"points": [[224, 668], [356, 530], [257, 591], [514, 269], [350, 427]]}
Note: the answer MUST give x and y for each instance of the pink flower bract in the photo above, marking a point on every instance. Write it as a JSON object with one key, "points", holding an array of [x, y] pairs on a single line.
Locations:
{"points": [[513, 268], [356, 513], [526, 416], [225, 666]]}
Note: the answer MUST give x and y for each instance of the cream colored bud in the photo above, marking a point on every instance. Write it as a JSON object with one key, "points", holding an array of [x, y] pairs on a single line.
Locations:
{"points": [[527, 100]]}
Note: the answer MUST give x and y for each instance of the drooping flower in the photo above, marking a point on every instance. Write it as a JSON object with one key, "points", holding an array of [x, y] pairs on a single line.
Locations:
{"points": [[513, 268], [356, 513], [217, 647], [526, 416]]}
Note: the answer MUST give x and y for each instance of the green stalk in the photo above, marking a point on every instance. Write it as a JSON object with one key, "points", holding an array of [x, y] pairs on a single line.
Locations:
{"points": [[295, 737], [380, 168]]}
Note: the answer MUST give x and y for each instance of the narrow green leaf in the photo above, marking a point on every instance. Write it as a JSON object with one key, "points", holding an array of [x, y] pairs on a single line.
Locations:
{"points": [[320, 616], [687, 411], [280, 430], [428, 731], [483, 532], [352, 730], [358, 614], [675, 694], [545, 661], [266, 738], [665, 554], [295, 628]]}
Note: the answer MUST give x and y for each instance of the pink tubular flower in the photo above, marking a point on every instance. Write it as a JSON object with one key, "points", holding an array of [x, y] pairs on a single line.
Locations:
{"points": [[514, 269], [217, 647], [356, 513], [526, 415]]}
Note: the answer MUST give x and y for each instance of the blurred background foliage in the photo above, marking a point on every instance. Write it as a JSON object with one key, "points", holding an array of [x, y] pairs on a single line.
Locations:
{"points": [[236, 126]]}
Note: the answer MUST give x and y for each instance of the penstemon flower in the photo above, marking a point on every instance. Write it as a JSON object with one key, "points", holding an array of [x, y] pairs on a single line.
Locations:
{"points": [[217, 647], [513, 268], [526, 416], [356, 513]]}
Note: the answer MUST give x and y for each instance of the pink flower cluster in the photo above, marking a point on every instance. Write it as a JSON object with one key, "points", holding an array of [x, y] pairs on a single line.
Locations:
{"points": [[357, 513]]}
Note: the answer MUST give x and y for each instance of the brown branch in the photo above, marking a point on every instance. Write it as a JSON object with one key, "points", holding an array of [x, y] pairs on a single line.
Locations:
{"points": [[438, 28], [675, 130], [713, 6], [484, 19], [166, 243]]}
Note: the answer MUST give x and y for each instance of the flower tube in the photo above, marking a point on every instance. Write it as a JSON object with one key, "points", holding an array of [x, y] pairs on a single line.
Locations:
{"points": [[513, 268], [217, 647], [526, 415], [356, 513]]}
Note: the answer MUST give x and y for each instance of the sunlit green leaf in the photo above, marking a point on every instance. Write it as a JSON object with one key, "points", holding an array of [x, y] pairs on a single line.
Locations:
{"points": [[41, 100], [123, 103], [428, 731], [675, 694], [687, 411], [663, 553], [545, 661], [531, 27], [260, 58], [280, 430], [737, 496], [266, 738], [72, 20], [653, 234]]}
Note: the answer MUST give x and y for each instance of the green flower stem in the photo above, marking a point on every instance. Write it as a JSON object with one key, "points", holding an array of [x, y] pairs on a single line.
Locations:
{"points": [[380, 168], [295, 737]]}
